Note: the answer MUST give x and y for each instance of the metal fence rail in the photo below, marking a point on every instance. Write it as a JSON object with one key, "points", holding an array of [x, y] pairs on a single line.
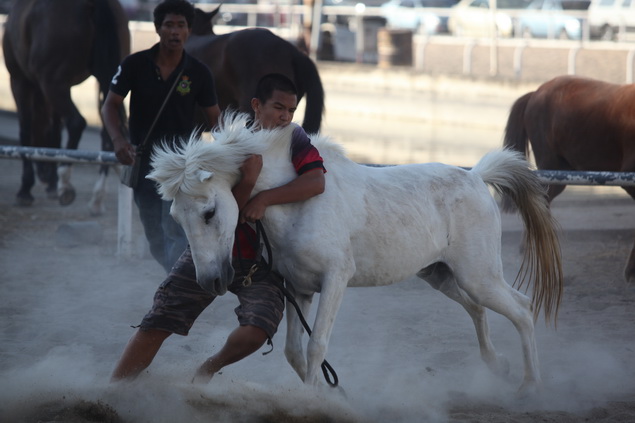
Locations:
{"points": [[555, 177], [58, 155], [124, 207]]}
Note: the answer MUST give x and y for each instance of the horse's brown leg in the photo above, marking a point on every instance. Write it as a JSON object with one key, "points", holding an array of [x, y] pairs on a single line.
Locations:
{"points": [[60, 99], [629, 270], [23, 94], [553, 191]]}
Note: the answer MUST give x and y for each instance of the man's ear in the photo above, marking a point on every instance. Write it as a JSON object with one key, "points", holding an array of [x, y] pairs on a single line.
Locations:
{"points": [[255, 103]]}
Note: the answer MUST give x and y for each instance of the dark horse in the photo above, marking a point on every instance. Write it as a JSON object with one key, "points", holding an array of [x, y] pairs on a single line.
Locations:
{"points": [[577, 124], [50, 46], [239, 59]]}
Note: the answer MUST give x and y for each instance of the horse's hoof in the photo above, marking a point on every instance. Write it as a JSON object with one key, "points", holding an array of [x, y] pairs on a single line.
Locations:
{"points": [[95, 210], [24, 201], [341, 391], [67, 197], [499, 366], [528, 390]]}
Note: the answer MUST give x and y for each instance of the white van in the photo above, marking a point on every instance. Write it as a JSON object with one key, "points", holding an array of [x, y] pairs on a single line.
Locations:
{"points": [[612, 19]]}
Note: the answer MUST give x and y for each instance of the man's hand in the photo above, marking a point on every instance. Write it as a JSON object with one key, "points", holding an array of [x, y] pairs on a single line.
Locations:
{"points": [[254, 209], [124, 151], [250, 169], [305, 186]]}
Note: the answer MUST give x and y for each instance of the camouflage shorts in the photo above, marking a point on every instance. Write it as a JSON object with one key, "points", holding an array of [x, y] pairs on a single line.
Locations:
{"points": [[180, 300]]}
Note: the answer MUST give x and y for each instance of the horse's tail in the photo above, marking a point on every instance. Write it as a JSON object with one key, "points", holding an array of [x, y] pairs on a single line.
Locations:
{"points": [[111, 44], [515, 131], [516, 136], [308, 80], [107, 53], [510, 174]]}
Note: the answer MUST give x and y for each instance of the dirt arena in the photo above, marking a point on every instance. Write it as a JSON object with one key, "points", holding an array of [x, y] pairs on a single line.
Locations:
{"points": [[403, 353]]}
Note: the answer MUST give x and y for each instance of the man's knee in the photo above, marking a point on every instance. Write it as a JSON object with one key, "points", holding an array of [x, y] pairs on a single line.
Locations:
{"points": [[249, 337]]}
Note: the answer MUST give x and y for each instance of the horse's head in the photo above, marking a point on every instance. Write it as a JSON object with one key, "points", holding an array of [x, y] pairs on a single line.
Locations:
{"points": [[203, 24], [208, 215], [198, 177]]}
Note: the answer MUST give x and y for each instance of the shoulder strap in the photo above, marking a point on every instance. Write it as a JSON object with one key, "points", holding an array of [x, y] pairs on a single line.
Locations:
{"points": [[156, 118]]}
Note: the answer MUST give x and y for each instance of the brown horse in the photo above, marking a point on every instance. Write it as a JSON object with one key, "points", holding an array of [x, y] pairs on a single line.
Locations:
{"points": [[50, 46], [239, 59], [577, 123]]}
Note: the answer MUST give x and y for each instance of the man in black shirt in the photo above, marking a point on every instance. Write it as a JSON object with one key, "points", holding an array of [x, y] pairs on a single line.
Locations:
{"points": [[148, 75]]}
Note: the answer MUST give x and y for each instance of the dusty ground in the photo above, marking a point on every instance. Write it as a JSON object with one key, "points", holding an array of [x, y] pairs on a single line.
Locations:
{"points": [[403, 353]]}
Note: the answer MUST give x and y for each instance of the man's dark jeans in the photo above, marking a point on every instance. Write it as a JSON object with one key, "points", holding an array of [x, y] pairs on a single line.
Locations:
{"points": [[166, 237]]}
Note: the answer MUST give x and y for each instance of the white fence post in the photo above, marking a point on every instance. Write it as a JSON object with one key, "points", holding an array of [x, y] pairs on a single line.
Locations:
{"points": [[124, 222]]}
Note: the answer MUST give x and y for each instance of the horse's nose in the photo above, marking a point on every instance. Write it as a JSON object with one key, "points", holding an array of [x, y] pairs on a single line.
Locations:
{"points": [[214, 287], [219, 287]]}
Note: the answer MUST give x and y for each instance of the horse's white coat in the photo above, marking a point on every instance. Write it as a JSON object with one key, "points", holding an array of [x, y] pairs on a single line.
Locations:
{"points": [[371, 226]]}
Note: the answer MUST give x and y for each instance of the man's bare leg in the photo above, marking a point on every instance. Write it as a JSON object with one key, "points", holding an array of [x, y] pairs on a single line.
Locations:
{"points": [[243, 341], [139, 353]]}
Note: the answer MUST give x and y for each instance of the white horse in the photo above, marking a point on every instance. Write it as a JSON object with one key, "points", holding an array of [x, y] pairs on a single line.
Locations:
{"points": [[371, 227]]}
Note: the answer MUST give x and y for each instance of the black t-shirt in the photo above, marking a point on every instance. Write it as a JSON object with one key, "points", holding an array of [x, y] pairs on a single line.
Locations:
{"points": [[139, 75]]}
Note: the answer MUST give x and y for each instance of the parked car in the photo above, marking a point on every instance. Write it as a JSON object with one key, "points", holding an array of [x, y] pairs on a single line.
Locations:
{"points": [[609, 18], [417, 15], [548, 19], [474, 18]]}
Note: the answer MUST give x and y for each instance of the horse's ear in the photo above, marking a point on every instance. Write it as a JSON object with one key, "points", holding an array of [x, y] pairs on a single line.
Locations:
{"points": [[214, 12], [204, 175]]}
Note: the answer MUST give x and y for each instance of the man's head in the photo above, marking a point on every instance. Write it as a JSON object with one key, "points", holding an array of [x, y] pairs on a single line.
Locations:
{"points": [[275, 101], [173, 7]]}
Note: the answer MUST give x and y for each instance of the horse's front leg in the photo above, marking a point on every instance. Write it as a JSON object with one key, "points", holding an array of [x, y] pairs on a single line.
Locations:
{"points": [[328, 306], [96, 204], [24, 198], [293, 351]]}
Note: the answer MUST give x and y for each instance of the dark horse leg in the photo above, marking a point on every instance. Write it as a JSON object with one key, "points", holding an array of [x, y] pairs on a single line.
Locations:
{"points": [[33, 116], [60, 100], [547, 159], [629, 270], [47, 171], [96, 204]]}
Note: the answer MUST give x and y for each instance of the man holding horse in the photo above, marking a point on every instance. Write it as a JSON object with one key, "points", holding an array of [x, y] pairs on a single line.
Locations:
{"points": [[163, 76], [180, 300]]}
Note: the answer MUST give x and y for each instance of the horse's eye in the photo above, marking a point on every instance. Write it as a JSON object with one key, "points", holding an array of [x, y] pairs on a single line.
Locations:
{"points": [[208, 216]]}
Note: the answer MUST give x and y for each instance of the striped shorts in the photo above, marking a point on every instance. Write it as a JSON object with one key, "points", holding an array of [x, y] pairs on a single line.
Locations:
{"points": [[179, 300]]}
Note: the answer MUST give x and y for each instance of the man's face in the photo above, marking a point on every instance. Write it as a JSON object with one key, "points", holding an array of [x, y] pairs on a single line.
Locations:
{"points": [[277, 111], [173, 32]]}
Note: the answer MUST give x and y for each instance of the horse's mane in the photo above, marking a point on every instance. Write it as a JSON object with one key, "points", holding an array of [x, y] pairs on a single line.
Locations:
{"points": [[186, 164]]}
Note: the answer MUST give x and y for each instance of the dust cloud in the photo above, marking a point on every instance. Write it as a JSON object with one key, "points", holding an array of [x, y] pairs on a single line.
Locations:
{"points": [[403, 353]]}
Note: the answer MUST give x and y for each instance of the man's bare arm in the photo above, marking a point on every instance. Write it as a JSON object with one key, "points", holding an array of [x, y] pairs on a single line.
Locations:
{"points": [[302, 188]]}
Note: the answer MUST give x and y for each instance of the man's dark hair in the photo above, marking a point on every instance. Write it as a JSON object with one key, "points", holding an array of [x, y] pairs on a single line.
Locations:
{"points": [[272, 82], [175, 7]]}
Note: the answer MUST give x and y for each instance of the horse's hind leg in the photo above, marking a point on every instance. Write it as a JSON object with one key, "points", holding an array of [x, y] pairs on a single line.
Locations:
{"points": [[293, 350], [24, 95], [96, 203], [24, 198], [440, 277], [489, 289], [63, 106]]}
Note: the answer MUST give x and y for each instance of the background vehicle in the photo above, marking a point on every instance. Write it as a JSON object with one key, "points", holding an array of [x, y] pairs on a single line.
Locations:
{"points": [[611, 19], [549, 19], [475, 18], [418, 15]]}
